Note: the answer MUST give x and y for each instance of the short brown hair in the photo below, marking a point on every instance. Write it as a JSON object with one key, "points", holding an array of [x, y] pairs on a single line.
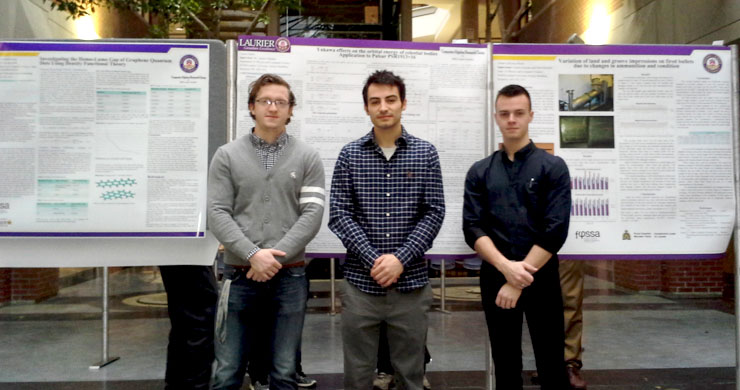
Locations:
{"points": [[267, 79]]}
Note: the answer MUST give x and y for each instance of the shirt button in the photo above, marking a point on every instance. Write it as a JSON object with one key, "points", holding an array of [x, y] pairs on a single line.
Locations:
{"points": [[387, 234], [387, 194], [267, 220], [387, 175], [387, 214], [267, 198]]}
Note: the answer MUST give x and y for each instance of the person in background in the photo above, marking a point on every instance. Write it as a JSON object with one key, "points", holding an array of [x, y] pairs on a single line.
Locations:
{"points": [[191, 305]]}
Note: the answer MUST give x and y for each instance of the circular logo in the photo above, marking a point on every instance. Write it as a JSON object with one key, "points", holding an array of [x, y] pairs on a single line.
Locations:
{"points": [[282, 44], [189, 63], [712, 63]]}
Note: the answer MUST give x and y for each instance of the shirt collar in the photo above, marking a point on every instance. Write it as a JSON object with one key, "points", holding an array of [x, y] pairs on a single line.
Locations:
{"points": [[520, 154], [258, 142], [403, 140], [524, 152]]}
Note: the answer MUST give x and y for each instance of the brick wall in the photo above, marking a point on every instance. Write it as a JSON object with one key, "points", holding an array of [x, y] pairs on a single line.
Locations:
{"points": [[5, 291], [680, 277], [638, 275], [28, 284]]}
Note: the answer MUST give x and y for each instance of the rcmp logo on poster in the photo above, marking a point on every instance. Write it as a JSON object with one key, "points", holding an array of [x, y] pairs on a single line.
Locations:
{"points": [[712, 63], [189, 63]]}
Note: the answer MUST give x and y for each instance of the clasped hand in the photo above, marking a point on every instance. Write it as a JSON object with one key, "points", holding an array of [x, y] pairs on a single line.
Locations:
{"points": [[519, 273], [264, 265], [386, 270]]}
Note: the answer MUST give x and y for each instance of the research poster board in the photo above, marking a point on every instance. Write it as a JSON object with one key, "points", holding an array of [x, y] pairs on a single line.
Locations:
{"points": [[647, 134], [107, 141], [103, 139], [446, 90]]}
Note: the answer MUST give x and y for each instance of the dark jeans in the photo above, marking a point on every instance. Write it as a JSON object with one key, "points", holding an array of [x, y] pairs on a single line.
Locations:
{"points": [[280, 303], [542, 303], [191, 304], [259, 367]]}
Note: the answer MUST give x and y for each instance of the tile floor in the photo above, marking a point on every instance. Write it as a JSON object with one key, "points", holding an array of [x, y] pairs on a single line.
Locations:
{"points": [[632, 341]]}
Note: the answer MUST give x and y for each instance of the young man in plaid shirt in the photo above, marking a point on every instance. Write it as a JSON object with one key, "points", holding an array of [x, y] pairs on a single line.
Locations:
{"points": [[387, 206]]}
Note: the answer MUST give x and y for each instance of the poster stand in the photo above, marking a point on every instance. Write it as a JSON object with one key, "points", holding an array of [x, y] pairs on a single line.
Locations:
{"points": [[105, 359], [332, 286], [736, 161], [442, 287]]}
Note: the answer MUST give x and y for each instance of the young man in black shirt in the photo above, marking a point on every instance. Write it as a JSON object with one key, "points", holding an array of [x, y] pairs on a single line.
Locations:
{"points": [[515, 215]]}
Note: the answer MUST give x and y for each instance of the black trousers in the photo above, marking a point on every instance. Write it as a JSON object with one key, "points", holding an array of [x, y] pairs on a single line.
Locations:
{"points": [[542, 303], [191, 302]]}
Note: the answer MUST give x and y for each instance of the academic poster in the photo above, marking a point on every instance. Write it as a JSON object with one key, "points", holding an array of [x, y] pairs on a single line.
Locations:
{"points": [[446, 91], [646, 132], [103, 139]]}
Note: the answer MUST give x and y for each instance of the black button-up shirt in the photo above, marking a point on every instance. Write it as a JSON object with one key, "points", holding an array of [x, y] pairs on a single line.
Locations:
{"points": [[518, 204]]}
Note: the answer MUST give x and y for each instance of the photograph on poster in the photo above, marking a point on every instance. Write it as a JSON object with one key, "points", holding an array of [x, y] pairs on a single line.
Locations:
{"points": [[595, 132], [586, 92]]}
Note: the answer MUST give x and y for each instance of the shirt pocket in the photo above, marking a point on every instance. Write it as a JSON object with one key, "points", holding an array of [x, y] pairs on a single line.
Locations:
{"points": [[532, 192]]}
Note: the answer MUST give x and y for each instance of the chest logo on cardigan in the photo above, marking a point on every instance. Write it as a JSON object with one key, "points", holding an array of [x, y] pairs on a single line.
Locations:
{"points": [[292, 174]]}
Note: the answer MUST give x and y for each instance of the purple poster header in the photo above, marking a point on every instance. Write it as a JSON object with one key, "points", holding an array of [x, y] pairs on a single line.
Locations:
{"points": [[283, 44], [103, 234], [546, 49], [92, 46]]}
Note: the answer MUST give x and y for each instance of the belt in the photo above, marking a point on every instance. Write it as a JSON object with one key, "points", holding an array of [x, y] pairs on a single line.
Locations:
{"points": [[291, 265]]}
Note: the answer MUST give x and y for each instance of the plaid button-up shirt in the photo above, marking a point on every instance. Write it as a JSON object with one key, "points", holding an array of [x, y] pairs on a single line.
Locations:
{"points": [[267, 152], [381, 206]]}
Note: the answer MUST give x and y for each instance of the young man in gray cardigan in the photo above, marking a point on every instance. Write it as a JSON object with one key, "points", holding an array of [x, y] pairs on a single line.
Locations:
{"points": [[265, 203]]}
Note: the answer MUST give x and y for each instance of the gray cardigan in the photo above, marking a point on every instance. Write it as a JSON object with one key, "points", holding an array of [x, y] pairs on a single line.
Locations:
{"points": [[250, 207]]}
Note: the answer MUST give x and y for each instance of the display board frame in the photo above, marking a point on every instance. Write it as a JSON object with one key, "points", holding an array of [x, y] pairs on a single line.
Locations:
{"points": [[109, 248]]}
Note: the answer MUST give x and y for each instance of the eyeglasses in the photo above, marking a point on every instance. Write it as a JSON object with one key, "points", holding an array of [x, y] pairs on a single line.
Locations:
{"points": [[268, 102]]}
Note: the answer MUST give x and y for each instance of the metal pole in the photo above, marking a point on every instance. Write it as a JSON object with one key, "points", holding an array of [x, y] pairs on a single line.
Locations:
{"points": [[490, 136], [736, 161], [490, 382], [105, 359], [332, 289], [231, 89], [442, 291]]}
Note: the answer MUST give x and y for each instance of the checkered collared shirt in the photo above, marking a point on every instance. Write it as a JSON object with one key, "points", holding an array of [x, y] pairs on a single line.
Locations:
{"points": [[381, 206], [267, 152]]}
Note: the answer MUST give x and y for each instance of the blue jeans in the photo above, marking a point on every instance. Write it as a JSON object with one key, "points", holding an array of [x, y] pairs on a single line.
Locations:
{"points": [[281, 302]]}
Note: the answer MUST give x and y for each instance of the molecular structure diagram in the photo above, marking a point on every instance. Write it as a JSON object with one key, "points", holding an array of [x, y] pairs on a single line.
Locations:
{"points": [[116, 194], [113, 195], [115, 183]]}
